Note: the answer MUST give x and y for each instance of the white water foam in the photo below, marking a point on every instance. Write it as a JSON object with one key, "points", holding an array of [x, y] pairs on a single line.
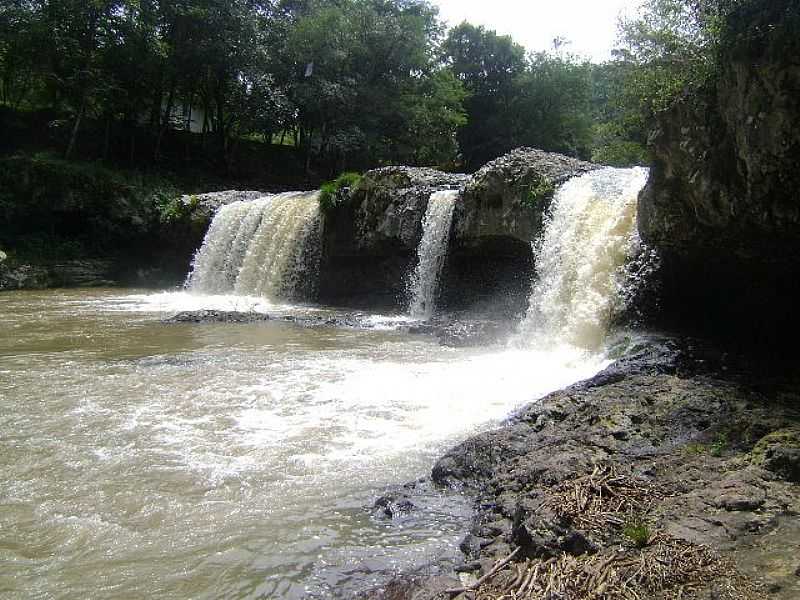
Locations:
{"points": [[580, 259], [432, 252], [264, 248]]}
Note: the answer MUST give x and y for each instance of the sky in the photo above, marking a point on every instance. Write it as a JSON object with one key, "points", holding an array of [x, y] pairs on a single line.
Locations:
{"points": [[589, 25]]}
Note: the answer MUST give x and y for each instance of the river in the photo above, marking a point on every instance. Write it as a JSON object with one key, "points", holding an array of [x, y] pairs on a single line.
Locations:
{"points": [[146, 459]]}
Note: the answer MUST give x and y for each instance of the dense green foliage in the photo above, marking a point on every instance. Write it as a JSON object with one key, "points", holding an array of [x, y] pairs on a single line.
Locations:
{"points": [[338, 84], [346, 82], [328, 195], [515, 99], [54, 209]]}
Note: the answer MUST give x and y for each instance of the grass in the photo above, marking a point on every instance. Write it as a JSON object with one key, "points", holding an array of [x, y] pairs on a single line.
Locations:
{"points": [[695, 449], [537, 192], [717, 448], [329, 192], [637, 531], [720, 445]]}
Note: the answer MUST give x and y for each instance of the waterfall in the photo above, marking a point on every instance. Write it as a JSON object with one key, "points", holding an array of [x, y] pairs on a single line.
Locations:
{"points": [[432, 252], [580, 260], [265, 247]]}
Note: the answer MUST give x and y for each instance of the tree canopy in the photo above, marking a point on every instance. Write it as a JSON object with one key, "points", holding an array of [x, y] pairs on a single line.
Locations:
{"points": [[345, 84]]}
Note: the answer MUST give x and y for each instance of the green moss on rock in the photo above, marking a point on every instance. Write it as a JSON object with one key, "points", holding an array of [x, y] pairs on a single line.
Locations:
{"points": [[331, 195]]}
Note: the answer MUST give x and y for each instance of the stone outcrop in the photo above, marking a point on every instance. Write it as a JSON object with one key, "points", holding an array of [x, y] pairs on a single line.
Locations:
{"points": [[371, 236], [508, 197], [202, 207], [16, 275], [723, 201], [490, 262]]}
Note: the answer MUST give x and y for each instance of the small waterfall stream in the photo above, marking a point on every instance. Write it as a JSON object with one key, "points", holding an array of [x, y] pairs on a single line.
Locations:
{"points": [[432, 252], [580, 259], [263, 247]]}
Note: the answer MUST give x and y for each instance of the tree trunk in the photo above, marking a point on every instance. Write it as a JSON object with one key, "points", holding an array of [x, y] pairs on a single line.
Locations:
{"points": [[165, 121], [73, 138], [107, 139]]}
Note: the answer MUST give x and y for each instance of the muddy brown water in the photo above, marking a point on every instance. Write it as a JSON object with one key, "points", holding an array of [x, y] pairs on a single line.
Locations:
{"points": [[140, 459]]}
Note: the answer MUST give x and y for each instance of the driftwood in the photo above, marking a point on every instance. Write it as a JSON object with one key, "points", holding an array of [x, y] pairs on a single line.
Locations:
{"points": [[600, 504], [668, 569], [500, 564]]}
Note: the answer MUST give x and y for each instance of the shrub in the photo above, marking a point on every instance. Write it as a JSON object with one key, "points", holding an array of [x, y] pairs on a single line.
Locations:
{"points": [[538, 191], [720, 445], [637, 531], [329, 192]]}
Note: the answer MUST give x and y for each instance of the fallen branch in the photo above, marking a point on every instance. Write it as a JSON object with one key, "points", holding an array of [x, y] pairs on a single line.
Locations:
{"points": [[485, 578]]}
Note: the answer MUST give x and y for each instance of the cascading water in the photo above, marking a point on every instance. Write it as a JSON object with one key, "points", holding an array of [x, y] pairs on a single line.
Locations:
{"points": [[264, 247], [580, 259], [432, 252]]}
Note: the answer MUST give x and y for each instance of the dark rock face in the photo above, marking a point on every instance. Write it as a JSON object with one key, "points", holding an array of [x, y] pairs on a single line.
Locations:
{"points": [[723, 201], [371, 238], [72, 273]]}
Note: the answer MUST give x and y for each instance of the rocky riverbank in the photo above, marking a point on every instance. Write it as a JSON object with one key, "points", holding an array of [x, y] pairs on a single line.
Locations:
{"points": [[673, 473]]}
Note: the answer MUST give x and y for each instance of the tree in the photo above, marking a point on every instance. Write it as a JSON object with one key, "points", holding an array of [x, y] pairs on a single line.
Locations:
{"points": [[19, 40], [357, 69], [489, 67], [553, 106]]}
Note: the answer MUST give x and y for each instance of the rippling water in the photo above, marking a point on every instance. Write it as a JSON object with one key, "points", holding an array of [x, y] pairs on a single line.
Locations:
{"points": [[225, 460]]}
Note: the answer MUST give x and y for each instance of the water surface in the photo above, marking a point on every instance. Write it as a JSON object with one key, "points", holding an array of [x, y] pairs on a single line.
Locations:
{"points": [[141, 459]]}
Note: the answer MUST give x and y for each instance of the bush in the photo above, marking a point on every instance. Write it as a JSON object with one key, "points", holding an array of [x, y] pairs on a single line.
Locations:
{"points": [[637, 532], [621, 153], [53, 208], [329, 197], [538, 191]]}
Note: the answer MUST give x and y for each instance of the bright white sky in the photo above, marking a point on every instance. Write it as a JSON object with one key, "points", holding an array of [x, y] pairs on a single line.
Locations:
{"points": [[589, 25]]}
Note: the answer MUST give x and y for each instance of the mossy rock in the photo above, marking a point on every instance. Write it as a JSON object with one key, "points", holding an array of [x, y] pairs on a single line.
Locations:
{"points": [[779, 452], [335, 193]]}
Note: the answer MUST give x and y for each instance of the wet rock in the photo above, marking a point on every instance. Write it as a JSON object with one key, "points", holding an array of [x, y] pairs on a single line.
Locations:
{"points": [[371, 236], [656, 414], [490, 264], [509, 196], [471, 545], [203, 206], [24, 277], [73, 273], [345, 321], [218, 316], [785, 462], [413, 587], [737, 495], [392, 506]]}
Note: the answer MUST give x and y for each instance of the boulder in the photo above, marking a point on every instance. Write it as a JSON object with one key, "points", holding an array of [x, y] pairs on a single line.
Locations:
{"points": [[508, 197], [371, 235]]}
